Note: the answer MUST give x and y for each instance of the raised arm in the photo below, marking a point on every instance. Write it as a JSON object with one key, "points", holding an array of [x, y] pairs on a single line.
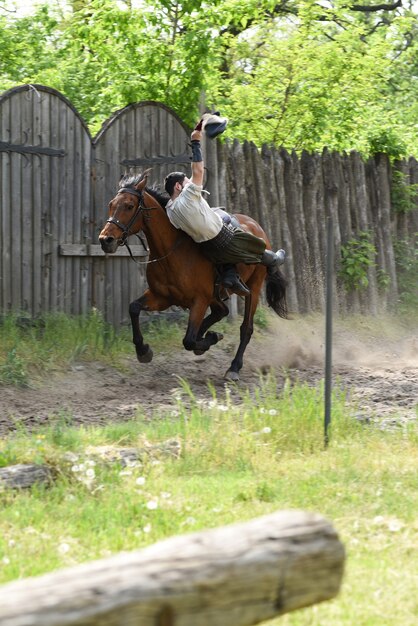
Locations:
{"points": [[197, 158]]}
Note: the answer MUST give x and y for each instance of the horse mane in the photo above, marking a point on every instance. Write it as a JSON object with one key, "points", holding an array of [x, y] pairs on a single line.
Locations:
{"points": [[129, 180]]}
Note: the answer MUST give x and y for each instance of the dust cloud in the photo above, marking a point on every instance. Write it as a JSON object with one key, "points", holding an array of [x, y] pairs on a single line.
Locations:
{"points": [[379, 343]]}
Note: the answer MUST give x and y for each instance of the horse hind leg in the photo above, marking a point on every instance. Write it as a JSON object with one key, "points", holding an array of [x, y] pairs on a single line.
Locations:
{"points": [[246, 331], [218, 311], [193, 339]]}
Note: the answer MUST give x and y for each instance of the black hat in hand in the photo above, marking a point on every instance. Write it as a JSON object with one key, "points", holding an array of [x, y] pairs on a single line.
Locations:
{"points": [[213, 125]]}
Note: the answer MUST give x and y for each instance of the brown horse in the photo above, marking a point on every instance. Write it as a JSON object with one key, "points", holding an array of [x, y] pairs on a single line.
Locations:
{"points": [[179, 274]]}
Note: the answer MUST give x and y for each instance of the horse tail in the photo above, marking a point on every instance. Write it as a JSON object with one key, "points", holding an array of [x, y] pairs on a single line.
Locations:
{"points": [[276, 285]]}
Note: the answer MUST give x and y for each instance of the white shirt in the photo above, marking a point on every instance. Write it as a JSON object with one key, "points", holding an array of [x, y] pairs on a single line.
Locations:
{"points": [[190, 212]]}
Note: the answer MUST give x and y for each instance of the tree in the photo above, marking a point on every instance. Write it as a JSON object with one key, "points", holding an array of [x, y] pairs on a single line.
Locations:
{"points": [[296, 72]]}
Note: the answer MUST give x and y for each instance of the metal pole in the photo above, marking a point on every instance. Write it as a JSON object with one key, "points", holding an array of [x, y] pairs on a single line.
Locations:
{"points": [[328, 328]]}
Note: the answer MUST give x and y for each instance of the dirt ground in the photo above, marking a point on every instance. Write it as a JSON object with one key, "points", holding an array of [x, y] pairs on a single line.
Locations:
{"points": [[376, 361]]}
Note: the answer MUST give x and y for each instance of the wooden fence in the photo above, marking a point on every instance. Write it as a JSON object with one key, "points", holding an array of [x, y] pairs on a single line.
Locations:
{"points": [[239, 575], [56, 181]]}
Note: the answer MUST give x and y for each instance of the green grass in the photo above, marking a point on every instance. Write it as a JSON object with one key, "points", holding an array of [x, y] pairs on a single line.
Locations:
{"points": [[32, 348], [237, 461]]}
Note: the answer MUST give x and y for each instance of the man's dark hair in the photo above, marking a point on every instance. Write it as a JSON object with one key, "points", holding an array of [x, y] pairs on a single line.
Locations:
{"points": [[171, 179]]}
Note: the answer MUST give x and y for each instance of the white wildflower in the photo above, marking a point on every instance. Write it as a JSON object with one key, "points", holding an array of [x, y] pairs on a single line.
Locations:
{"points": [[90, 473], [5, 560], [266, 430], [147, 528], [165, 495], [222, 407], [152, 505], [63, 548], [125, 473], [395, 525], [272, 412], [140, 480]]}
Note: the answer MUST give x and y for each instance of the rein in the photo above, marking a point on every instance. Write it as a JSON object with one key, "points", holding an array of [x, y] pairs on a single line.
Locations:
{"points": [[126, 228]]}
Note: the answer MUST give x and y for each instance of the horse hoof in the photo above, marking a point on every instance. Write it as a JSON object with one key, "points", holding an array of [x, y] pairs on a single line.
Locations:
{"points": [[199, 352], [213, 337], [232, 376], [146, 357]]}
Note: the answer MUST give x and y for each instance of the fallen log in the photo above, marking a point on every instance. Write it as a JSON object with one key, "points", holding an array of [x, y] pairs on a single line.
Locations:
{"points": [[239, 575]]}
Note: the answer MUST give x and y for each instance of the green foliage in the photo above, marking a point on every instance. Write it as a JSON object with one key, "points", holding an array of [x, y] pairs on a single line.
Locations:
{"points": [[12, 370], [403, 195], [387, 141], [357, 256], [383, 279], [298, 74]]}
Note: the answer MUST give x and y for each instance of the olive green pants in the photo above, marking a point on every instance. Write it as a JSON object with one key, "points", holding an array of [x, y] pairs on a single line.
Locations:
{"points": [[242, 248]]}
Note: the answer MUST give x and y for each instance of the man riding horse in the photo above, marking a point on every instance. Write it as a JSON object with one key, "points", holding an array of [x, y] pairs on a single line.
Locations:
{"points": [[221, 240]]}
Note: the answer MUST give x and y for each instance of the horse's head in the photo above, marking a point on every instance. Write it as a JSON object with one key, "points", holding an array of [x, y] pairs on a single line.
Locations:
{"points": [[125, 213]]}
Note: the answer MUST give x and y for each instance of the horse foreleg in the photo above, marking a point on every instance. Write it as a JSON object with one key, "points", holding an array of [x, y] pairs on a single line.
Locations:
{"points": [[193, 339], [147, 302], [246, 331]]}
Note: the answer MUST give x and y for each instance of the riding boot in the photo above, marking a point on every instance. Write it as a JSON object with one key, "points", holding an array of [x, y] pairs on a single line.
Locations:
{"points": [[230, 280], [272, 260]]}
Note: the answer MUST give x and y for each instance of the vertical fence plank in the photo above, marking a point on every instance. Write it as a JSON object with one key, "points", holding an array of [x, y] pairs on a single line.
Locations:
{"points": [[331, 209], [36, 241], [6, 209], [361, 222], [287, 241], [383, 223], [17, 173], [314, 219], [296, 222]]}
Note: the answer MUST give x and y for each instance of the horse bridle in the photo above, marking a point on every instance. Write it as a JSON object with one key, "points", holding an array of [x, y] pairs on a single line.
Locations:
{"points": [[126, 228]]}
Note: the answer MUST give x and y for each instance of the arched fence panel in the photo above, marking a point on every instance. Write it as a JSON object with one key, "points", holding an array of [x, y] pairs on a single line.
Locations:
{"points": [[45, 153], [142, 136]]}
